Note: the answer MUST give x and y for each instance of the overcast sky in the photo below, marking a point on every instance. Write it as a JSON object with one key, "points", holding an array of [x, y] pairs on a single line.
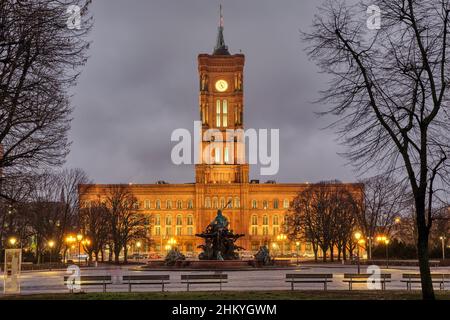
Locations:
{"points": [[141, 83]]}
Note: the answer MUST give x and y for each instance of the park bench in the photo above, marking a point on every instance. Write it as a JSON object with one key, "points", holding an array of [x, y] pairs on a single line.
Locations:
{"points": [[294, 278], [411, 278], [88, 281], [189, 279], [136, 280], [352, 278]]}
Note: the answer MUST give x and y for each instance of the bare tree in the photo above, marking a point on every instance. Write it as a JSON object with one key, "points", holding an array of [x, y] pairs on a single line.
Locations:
{"points": [[95, 223], [389, 92], [126, 224], [40, 54], [324, 215], [385, 200]]}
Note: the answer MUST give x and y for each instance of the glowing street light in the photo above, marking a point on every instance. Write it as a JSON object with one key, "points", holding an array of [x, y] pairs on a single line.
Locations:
{"points": [[51, 244], [297, 245], [281, 238], [358, 236], [79, 238], [12, 241], [386, 242]]}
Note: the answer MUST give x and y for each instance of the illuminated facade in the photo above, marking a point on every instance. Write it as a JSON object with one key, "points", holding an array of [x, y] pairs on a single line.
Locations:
{"points": [[180, 211]]}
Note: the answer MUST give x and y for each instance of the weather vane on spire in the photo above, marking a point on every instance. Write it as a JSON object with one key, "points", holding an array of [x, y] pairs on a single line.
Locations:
{"points": [[221, 16], [221, 48]]}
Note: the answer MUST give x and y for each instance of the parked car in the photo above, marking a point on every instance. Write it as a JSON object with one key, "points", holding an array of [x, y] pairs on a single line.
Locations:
{"points": [[154, 256]]}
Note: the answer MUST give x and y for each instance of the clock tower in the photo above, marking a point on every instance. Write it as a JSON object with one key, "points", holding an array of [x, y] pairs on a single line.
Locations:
{"points": [[221, 105]]}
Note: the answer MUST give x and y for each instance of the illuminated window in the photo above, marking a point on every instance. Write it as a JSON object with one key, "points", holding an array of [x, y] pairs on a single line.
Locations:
{"points": [[168, 220], [237, 202], [227, 156], [190, 220], [254, 230], [190, 204], [218, 113], [147, 204], [254, 220], [254, 204], [178, 231], [222, 203], [225, 113], [265, 204], [286, 204], [215, 203], [168, 231], [190, 231], [179, 220], [265, 230], [217, 156], [179, 204], [230, 203], [169, 204], [275, 204], [207, 203], [157, 231], [265, 220], [158, 204], [157, 220], [275, 220], [276, 230]]}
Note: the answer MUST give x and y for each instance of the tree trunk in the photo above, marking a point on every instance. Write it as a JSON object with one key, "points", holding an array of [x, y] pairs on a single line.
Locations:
{"points": [[422, 250], [125, 254]]}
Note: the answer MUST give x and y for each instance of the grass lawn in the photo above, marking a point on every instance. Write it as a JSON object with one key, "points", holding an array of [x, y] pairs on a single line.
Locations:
{"points": [[235, 295]]}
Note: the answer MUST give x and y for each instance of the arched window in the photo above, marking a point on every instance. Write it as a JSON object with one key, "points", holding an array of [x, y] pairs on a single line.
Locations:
{"points": [[207, 203], [169, 204], [157, 220], [275, 204], [179, 220], [190, 204], [217, 158], [147, 204], [227, 156], [158, 204], [179, 204], [222, 203], [254, 228], [190, 220], [230, 203], [237, 203], [254, 204], [225, 113], [275, 221], [286, 204], [215, 203], [265, 204], [218, 113], [168, 220], [265, 220]]}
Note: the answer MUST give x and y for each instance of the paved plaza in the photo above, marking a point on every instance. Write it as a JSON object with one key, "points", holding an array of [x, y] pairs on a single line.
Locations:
{"points": [[255, 280]]}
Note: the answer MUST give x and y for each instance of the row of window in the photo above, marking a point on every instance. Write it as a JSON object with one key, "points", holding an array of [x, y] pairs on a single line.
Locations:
{"points": [[214, 203], [178, 220], [179, 231]]}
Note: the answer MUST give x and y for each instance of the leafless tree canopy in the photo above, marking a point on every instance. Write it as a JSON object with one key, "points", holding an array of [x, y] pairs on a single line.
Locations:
{"points": [[389, 91], [39, 62]]}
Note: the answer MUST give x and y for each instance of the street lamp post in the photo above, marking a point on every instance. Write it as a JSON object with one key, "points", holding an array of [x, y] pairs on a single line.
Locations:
{"points": [[387, 252], [358, 237], [51, 244], [297, 244], [79, 238], [138, 246], [443, 238], [12, 241]]}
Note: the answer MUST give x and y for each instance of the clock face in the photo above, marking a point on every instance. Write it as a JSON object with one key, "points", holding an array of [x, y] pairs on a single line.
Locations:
{"points": [[221, 86]]}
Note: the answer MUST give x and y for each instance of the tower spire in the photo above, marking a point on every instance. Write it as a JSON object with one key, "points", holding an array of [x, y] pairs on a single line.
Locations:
{"points": [[221, 48]]}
